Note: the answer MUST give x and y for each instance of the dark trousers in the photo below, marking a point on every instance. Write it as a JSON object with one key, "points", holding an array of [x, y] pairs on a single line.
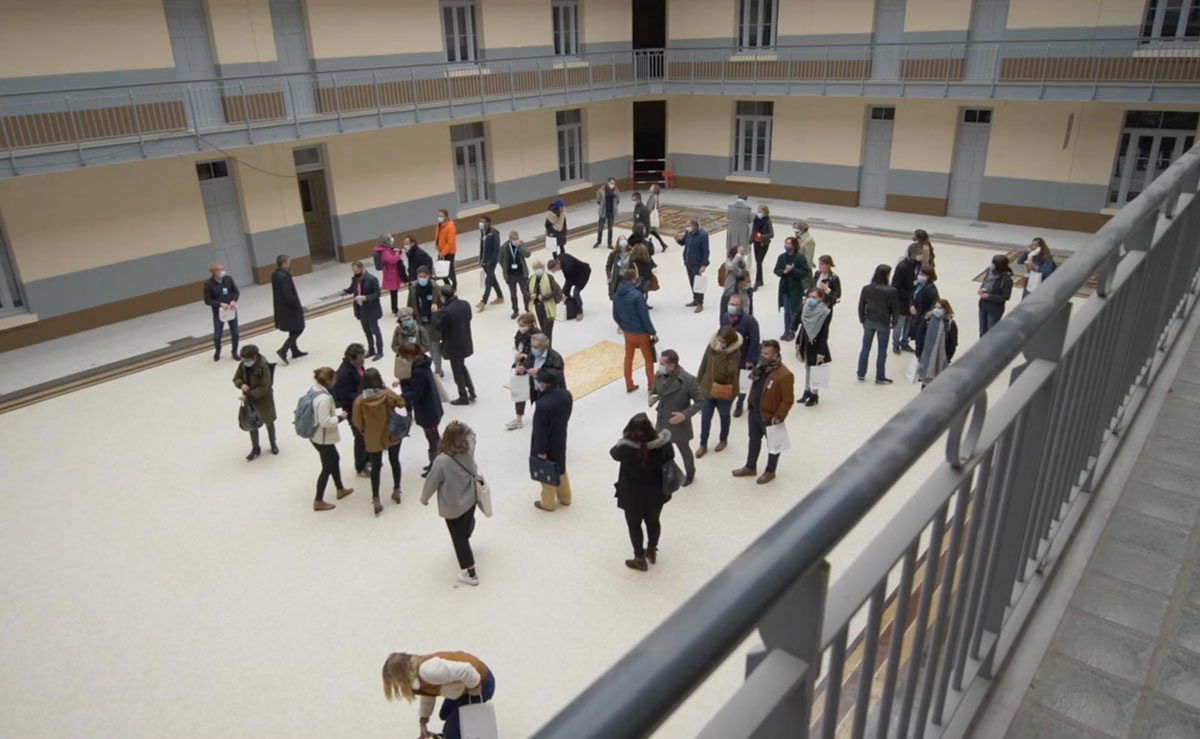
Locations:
{"points": [[988, 320], [462, 378], [374, 336], [545, 322], [607, 218], [573, 290], [490, 282], [290, 344], [360, 450], [448, 713], [648, 516], [394, 294], [560, 240], [706, 416], [432, 437], [685, 453], [654, 235], [881, 336], [461, 529], [452, 278], [376, 458], [270, 435], [901, 333], [517, 283], [219, 329], [758, 430], [760, 254], [330, 467], [691, 273]]}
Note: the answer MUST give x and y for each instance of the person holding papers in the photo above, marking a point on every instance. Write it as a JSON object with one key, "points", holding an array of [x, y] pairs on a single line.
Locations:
{"points": [[771, 397]]}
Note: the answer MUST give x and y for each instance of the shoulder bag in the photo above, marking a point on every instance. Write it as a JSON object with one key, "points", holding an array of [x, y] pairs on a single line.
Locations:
{"points": [[483, 494]]}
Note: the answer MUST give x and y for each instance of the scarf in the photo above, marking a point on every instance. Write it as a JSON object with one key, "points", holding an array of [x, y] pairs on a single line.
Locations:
{"points": [[989, 279], [764, 368], [812, 317], [557, 222], [933, 355]]}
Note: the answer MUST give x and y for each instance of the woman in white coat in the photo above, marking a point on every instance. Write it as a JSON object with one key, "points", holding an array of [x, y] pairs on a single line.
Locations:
{"points": [[458, 678], [326, 417]]}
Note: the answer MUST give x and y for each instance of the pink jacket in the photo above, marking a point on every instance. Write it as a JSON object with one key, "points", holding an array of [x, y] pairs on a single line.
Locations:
{"points": [[391, 267]]}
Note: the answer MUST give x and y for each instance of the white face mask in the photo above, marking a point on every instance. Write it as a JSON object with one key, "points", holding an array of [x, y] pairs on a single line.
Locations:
{"points": [[922, 278], [441, 219], [482, 225], [220, 274]]}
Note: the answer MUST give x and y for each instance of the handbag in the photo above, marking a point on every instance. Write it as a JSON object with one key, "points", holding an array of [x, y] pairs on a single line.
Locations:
{"points": [[672, 478], [1033, 281], [399, 424], [654, 220], [721, 391], [403, 368], [378, 257], [544, 471], [477, 720], [249, 418], [722, 273], [820, 376], [441, 268], [227, 314], [519, 385], [653, 281], [483, 493]]}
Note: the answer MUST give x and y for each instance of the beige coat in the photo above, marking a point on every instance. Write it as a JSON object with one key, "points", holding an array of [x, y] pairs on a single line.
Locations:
{"points": [[325, 415]]}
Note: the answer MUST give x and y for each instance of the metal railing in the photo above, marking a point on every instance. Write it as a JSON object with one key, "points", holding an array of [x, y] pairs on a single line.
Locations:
{"points": [[914, 629]]}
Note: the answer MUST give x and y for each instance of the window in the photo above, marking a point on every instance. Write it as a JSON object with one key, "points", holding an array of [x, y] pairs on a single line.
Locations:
{"points": [[564, 16], [11, 299], [975, 115], [1172, 20], [752, 138], [756, 23], [880, 113], [1150, 142], [307, 159], [470, 163], [460, 30], [212, 170], [570, 145]]}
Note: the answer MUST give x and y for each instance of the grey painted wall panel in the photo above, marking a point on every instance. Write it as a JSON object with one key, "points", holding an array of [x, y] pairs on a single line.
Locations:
{"points": [[700, 165], [810, 174], [935, 37], [917, 184], [76, 291], [525, 189], [86, 81], [266, 245], [1043, 194], [1072, 33]]}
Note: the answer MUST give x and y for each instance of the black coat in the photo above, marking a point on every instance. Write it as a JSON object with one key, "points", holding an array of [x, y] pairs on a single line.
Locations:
{"points": [[289, 313], [489, 248], [878, 303], [421, 395], [834, 296], [641, 214], [369, 309], [951, 336], [998, 295], [923, 299], [346, 386], [904, 279], [763, 227], [554, 361], [640, 485], [574, 271], [215, 293], [417, 258], [808, 349], [453, 321], [550, 417]]}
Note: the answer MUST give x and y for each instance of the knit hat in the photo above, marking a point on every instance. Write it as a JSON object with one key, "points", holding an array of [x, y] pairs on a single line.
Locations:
{"points": [[558, 203]]}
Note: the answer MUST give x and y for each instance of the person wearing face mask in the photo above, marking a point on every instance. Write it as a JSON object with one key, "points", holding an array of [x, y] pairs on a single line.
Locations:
{"points": [[937, 340], [453, 321], [761, 233], [795, 275], [695, 258], [771, 397], [633, 321], [607, 198], [643, 454], [445, 237], [489, 258], [255, 378], [421, 397], [537, 357], [423, 295], [408, 331], [925, 294], [735, 261], [805, 242], [741, 218], [556, 225], [289, 312], [618, 261], [325, 438], [678, 397], [551, 416], [545, 295], [416, 258], [642, 216], [345, 389], [812, 341], [994, 293], [389, 261], [654, 218], [828, 282], [737, 283], [221, 294], [516, 272], [921, 238], [575, 273], [522, 350], [364, 287], [372, 412], [719, 380], [739, 319], [1037, 260], [904, 279]]}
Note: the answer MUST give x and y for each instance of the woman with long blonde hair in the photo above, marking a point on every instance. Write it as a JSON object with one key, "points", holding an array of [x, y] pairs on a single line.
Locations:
{"points": [[457, 678]]}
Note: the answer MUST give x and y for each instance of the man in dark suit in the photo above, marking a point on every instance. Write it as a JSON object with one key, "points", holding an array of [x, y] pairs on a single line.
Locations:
{"points": [[415, 257], [489, 258], [289, 313], [575, 274], [364, 287], [453, 320], [549, 439]]}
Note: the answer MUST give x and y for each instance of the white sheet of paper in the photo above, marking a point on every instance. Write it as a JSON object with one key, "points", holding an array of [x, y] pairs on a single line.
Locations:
{"points": [[744, 381], [820, 376], [777, 438], [700, 284], [1033, 281], [914, 369]]}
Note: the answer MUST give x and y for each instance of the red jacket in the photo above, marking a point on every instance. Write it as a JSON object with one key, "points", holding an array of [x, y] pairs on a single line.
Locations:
{"points": [[393, 279]]}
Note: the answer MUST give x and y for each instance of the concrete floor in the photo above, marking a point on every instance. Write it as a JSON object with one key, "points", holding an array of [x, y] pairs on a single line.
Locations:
{"points": [[153, 583]]}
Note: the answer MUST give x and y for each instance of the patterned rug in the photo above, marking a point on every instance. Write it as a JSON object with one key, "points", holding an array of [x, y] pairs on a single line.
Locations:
{"points": [[674, 218], [1088, 288], [591, 369]]}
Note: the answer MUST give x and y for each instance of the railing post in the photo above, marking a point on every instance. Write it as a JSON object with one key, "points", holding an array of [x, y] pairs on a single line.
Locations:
{"points": [[1099, 58], [191, 113], [416, 94], [8, 144], [245, 111], [75, 130], [901, 73], [512, 84], [378, 100], [1045, 66], [137, 122], [287, 81], [482, 100], [1153, 81], [337, 100]]}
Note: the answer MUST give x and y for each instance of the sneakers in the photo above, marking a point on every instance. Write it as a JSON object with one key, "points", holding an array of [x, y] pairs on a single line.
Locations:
{"points": [[480, 306], [321, 505], [343, 492], [515, 424], [466, 578], [743, 472], [882, 381]]}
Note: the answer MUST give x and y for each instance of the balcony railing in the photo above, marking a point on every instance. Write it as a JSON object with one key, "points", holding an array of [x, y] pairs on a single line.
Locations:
{"points": [[907, 638]]}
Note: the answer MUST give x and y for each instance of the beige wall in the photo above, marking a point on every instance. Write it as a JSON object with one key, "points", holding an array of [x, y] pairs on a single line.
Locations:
{"points": [[515, 23], [607, 129], [85, 218], [824, 16], [76, 36], [827, 133], [1074, 13], [380, 168], [1026, 141], [923, 135], [605, 21], [698, 124], [940, 15], [345, 28], [268, 201], [521, 145], [700, 19], [241, 31]]}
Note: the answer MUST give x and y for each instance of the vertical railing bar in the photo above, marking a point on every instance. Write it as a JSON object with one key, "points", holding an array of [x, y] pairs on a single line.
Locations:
{"points": [[192, 115], [537, 64], [833, 684], [825, 72], [415, 92], [378, 97], [1045, 511], [956, 653], [692, 71], [788, 61], [1032, 533], [999, 505], [75, 130], [932, 565], [337, 100], [512, 84], [943, 613], [895, 647], [1087, 349], [1045, 64], [482, 96], [290, 95], [246, 112], [137, 122], [612, 74], [866, 674]]}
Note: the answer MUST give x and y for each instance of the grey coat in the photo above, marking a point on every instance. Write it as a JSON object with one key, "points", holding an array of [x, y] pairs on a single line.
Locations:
{"points": [[677, 393], [741, 218], [455, 486], [600, 198]]}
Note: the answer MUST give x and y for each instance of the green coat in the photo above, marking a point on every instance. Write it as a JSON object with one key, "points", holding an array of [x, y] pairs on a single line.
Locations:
{"points": [[793, 285], [260, 381]]}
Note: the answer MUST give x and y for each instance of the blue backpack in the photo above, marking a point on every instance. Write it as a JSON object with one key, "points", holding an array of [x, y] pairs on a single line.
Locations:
{"points": [[304, 419]]}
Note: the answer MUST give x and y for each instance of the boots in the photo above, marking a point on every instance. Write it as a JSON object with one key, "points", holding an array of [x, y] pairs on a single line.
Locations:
{"points": [[271, 438], [652, 555], [396, 495], [804, 398], [378, 506], [637, 563], [813, 399]]}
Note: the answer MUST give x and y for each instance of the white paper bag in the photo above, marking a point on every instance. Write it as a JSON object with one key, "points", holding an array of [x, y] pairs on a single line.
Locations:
{"points": [[482, 279], [441, 268], [700, 284], [914, 370], [777, 438], [519, 385], [1032, 281], [820, 376], [654, 221], [744, 381], [478, 721], [227, 314]]}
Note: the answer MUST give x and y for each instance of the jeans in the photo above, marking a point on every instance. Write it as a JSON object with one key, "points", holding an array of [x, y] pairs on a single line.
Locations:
{"points": [[360, 449], [758, 429], [291, 343], [880, 334], [270, 436], [649, 516], [374, 336], [219, 329], [462, 378], [900, 333], [490, 282], [987, 320], [634, 342], [517, 283], [760, 253], [461, 529], [607, 218], [435, 347], [788, 326], [376, 459], [692, 271], [329, 468], [706, 415], [449, 710]]}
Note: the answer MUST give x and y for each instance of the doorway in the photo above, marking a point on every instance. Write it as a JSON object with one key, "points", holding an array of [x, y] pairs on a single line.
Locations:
{"points": [[291, 48], [649, 24], [650, 142], [226, 232], [970, 160], [877, 157], [989, 18], [314, 204], [889, 33]]}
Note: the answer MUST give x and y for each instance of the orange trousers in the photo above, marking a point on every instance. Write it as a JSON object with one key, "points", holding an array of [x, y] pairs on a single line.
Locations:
{"points": [[639, 341]]}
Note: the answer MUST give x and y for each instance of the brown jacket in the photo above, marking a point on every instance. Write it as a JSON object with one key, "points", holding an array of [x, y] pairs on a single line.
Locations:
{"points": [[779, 395], [370, 417], [720, 366]]}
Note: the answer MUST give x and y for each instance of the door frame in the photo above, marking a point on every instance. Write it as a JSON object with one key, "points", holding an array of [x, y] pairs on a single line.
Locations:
{"points": [[862, 170], [958, 124]]}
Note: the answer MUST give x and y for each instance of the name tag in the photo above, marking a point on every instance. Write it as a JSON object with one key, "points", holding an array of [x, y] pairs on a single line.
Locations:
{"points": [[770, 383], [224, 291], [412, 339]]}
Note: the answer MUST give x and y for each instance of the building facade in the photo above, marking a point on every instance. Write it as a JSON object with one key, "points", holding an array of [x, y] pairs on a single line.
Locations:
{"points": [[161, 135]]}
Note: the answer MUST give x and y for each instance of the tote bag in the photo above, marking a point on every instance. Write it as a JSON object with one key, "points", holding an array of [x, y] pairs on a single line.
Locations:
{"points": [[820, 376], [1033, 281], [478, 721], [700, 284], [483, 493], [914, 370], [227, 314], [520, 388], [654, 220], [777, 438], [441, 269]]}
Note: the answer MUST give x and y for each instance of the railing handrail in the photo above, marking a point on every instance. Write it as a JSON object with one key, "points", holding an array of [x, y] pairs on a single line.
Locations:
{"points": [[641, 690]]}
